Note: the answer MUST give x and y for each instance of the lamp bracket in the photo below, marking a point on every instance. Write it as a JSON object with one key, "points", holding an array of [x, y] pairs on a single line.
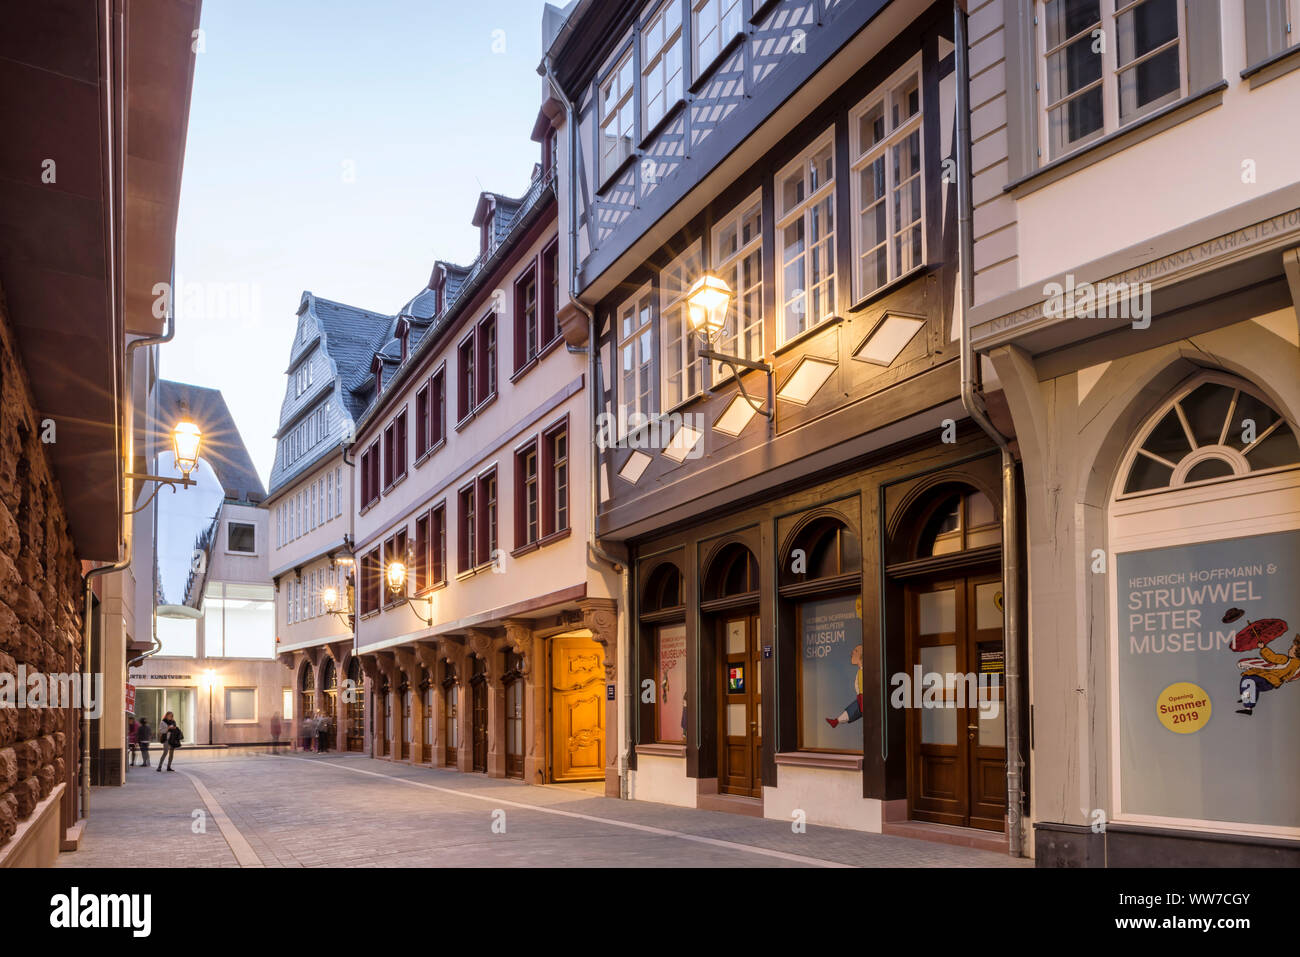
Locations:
{"points": [[410, 601], [172, 483], [736, 363]]}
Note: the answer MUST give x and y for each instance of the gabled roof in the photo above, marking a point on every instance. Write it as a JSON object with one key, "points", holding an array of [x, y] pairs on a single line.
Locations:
{"points": [[505, 208], [222, 446], [351, 338]]}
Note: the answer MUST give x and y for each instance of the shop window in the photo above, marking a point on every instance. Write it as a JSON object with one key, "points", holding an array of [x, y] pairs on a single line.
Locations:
{"points": [[821, 591], [663, 655], [1213, 432]]}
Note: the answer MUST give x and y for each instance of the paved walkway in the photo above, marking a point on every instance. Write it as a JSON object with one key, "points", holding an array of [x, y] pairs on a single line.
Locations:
{"points": [[351, 811]]}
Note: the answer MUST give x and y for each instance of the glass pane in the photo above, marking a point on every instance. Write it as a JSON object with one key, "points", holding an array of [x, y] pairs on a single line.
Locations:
{"points": [[939, 659], [937, 612], [871, 127], [1150, 84], [938, 726], [1277, 449], [979, 510], [1209, 469], [1075, 121], [181, 704], [830, 692], [1206, 408], [1249, 421], [1072, 68], [672, 683], [179, 637], [1065, 18], [736, 637], [993, 729], [736, 721], [1147, 474], [1168, 439], [988, 598], [1144, 28]]}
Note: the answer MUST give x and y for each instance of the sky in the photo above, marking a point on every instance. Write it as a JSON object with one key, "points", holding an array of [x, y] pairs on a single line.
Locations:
{"points": [[337, 146]]}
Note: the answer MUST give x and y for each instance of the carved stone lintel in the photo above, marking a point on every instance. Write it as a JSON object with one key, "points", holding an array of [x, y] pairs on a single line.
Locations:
{"points": [[600, 616], [428, 655], [409, 663], [519, 635], [369, 666], [338, 650], [481, 643]]}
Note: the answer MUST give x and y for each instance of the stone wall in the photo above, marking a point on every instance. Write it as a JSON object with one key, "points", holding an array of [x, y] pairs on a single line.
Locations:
{"points": [[40, 595]]}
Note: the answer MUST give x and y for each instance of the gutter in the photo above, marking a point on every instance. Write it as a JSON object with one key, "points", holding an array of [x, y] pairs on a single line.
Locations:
{"points": [[593, 456], [973, 401], [128, 539]]}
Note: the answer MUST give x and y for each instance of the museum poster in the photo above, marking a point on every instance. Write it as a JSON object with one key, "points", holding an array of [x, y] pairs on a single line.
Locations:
{"points": [[672, 683], [1209, 701], [830, 647]]}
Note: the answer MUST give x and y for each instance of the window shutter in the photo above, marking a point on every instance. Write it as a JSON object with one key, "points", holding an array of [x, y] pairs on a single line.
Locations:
{"points": [[1022, 98], [1265, 29], [1204, 45]]}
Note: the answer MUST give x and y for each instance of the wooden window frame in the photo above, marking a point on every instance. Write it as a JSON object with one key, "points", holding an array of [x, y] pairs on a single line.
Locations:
{"points": [[527, 322], [528, 527], [551, 525], [803, 210]]}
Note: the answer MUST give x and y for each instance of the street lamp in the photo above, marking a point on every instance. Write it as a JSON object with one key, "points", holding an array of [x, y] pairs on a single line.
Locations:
{"points": [[187, 439], [706, 307], [395, 575]]}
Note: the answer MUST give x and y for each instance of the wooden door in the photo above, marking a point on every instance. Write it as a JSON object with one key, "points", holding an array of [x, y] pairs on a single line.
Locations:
{"points": [[740, 732], [426, 747], [515, 728], [450, 694], [404, 733], [957, 751], [577, 709], [479, 709], [386, 733]]}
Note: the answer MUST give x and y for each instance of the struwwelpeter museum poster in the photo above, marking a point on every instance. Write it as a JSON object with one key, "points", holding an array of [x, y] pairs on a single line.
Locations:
{"points": [[1209, 701]]}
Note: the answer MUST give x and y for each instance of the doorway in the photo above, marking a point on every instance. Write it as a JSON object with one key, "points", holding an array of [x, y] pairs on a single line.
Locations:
{"points": [[577, 708], [479, 715], [450, 705], [957, 760], [514, 695], [740, 737], [354, 699]]}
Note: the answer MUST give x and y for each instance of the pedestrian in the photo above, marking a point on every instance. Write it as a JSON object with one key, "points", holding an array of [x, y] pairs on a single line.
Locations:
{"points": [[322, 732], [308, 732], [171, 738], [276, 728], [143, 735], [131, 730]]}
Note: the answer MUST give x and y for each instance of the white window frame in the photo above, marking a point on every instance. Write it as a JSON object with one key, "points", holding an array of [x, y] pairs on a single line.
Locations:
{"points": [[1109, 12], [785, 218], [226, 703], [631, 415], [899, 262], [252, 525], [680, 353], [709, 19], [612, 92], [654, 64], [727, 268]]}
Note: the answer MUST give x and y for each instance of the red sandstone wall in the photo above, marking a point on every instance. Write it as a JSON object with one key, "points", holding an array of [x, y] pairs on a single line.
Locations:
{"points": [[40, 613]]}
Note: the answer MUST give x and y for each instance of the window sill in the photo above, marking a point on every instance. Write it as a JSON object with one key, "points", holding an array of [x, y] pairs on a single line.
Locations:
{"points": [[474, 412], [1118, 140], [1270, 68], [554, 537], [881, 292], [618, 171], [525, 549], [394, 483], [820, 759], [807, 334], [663, 750], [663, 121], [365, 508], [705, 74], [536, 360], [429, 452]]}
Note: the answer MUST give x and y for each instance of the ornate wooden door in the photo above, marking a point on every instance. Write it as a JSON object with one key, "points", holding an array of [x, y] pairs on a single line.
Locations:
{"points": [[739, 730], [577, 709]]}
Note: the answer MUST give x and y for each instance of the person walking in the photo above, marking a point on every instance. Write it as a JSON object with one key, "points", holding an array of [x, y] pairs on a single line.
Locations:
{"points": [[322, 732], [171, 738], [276, 728], [143, 735], [131, 730], [308, 732]]}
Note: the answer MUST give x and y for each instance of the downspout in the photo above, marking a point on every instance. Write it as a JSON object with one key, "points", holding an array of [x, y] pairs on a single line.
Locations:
{"points": [[973, 402], [594, 390], [128, 539]]}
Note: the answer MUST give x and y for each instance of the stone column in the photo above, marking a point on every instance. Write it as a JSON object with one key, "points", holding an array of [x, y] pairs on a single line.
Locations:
{"points": [[600, 616], [370, 668], [519, 636], [456, 654]]}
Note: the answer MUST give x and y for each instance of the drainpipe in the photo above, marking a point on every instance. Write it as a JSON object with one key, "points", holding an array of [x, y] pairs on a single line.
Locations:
{"points": [[974, 403], [128, 539], [593, 389]]}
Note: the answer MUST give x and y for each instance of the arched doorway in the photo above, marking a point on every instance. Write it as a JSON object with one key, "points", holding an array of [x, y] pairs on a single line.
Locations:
{"points": [[514, 705], [947, 554], [729, 603], [1204, 663], [354, 706], [404, 729], [450, 713], [478, 685], [330, 683], [306, 703], [426, 699], [385, 695]]}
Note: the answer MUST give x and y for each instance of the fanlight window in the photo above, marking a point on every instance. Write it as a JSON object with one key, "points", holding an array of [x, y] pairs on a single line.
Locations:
{"points": [[1213, 432], [664, 589], [826, 548], [733, 572], [960, 521]]}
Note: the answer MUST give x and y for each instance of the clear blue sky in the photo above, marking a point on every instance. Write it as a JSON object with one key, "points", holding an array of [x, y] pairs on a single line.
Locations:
{"points": [[422, 102]]}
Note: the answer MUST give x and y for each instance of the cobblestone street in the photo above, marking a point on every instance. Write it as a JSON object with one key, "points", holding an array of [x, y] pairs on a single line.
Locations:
{"points": [[366, 813]]}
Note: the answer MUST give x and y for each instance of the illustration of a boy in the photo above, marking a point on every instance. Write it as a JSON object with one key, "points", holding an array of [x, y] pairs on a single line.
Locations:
{"points": [[853, 710], [1256, 680]]}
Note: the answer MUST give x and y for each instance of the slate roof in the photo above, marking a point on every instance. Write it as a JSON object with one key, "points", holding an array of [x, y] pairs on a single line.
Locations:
{"points": [[351, 337], [222, 446]]}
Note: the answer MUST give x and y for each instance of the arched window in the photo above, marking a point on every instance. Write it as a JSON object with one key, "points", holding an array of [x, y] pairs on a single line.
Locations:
{"points": [[733, 571], [330, 682], [1204, 533], [663, 590], [959, 521], [450, 710], [307, 691], [1212, 431], [824, 549], [663, 654]]}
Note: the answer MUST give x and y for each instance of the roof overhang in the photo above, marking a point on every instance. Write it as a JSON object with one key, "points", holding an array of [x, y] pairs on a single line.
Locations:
{"points": [[94, 102]]}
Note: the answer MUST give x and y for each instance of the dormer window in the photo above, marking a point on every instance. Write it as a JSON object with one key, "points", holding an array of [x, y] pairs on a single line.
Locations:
{"points": [[404, 337], [378, 369], [487, 240]]}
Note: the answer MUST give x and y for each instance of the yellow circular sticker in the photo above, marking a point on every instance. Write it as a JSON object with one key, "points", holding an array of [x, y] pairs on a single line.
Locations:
{"points": [[1183, 707]]}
